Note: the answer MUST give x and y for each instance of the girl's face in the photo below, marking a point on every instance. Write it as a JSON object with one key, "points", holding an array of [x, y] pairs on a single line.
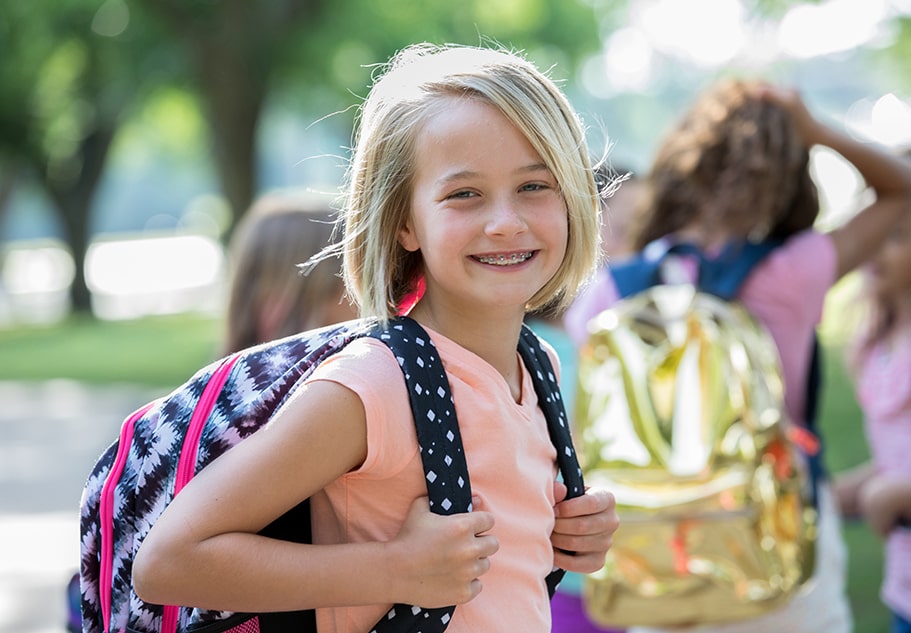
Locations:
{"points": [[891, 268], [486, 213]]}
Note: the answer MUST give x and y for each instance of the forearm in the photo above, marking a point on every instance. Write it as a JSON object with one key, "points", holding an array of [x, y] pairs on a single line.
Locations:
{"points": [[249, 573], [886, 172]]}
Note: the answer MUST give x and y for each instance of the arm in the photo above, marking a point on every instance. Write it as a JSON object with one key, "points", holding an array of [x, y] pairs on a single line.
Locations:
{"points": [[584, 525], [847, 485], [886, 502], [204, 549], [887, 174]]}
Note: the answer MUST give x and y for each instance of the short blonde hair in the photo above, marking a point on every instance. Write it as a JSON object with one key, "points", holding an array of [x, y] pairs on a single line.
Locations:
{"points": [[416, 84]]}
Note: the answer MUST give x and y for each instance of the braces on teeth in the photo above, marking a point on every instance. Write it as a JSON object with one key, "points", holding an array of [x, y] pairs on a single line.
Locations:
{"points": [[503, 260]]}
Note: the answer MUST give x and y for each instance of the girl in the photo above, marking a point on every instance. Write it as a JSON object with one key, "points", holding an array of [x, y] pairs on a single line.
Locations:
{"points": [[736, 168], [880, 490], [269, 298], [471, 177]]}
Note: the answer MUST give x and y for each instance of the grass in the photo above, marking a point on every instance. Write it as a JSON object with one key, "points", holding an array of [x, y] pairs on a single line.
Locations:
{"points": [[164, 351], [155, 351]]}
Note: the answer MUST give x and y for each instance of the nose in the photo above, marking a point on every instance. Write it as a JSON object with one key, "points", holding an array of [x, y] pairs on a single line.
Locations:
{"points": [[506, 218]]}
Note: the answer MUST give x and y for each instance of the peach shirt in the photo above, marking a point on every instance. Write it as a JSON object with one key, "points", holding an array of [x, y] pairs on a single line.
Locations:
{"points": [[511, 462]]}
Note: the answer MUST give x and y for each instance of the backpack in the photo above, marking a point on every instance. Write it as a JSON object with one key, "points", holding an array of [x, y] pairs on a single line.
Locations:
{"points": [[164, 443], [680, 413]]}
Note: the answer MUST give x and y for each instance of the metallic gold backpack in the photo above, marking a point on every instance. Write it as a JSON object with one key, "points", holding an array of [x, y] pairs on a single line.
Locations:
{"points": [[680, 413]]}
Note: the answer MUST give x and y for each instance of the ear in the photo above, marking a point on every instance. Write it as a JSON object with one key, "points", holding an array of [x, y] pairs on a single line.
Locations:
{"points": [[407, 238]]}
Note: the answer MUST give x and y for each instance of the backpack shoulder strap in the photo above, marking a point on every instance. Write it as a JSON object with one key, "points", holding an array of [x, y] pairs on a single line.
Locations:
{"points": [[550, 400], [445, 468], [721, 276]]}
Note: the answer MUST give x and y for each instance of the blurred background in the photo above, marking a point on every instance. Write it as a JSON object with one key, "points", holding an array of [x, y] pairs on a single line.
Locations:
{"points": [[135, 133]]}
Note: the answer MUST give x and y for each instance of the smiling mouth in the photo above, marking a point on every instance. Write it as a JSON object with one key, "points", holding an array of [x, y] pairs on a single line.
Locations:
{"points": [[505, 260]]}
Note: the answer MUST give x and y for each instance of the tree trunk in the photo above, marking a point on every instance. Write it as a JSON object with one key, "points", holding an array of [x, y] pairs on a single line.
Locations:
{"points": [[73, 199]]}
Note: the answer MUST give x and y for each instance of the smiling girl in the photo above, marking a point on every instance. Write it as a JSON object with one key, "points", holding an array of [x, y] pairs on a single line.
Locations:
{"points": [[470, 179]]}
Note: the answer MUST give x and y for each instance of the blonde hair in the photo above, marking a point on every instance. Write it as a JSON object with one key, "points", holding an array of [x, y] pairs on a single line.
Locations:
{"points": [[269, 297], [733, 161], [416, 84]]}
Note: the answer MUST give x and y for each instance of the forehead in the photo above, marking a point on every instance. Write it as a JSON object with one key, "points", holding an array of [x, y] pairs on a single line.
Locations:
{"points": [[470, 133]]}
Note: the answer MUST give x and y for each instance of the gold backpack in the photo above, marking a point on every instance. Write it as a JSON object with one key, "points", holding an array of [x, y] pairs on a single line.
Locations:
{"points": [[680, 413]]}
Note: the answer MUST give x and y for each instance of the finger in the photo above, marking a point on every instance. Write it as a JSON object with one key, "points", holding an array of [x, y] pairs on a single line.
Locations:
{"points": [[483, 547], [559, 491], [478, 522], [594, 501], [587, 563]]}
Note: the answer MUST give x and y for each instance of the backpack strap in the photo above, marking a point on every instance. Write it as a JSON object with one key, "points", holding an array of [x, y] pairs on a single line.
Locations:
{"points": [[550, 400], [445, 468], [721, 275]]}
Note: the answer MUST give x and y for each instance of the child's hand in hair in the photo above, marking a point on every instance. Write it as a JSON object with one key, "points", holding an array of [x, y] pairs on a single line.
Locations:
{"points": [[790, 100], [437, 561], [584, 529]]}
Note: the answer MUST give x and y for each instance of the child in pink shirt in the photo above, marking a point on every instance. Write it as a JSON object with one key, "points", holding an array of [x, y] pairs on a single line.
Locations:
{"points": [[880, 490], [736, 168]]}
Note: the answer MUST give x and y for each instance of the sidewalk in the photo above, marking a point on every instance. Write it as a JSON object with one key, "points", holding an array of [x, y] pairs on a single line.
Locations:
{"points": [[51, 433]]}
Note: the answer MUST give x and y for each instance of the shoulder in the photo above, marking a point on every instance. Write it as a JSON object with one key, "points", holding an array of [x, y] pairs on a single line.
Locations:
{"points": [[364, 365], [795, 277], [807, 259]]}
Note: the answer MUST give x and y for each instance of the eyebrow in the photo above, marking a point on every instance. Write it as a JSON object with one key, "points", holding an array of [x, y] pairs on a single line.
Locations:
{"points": [[466, 174]]}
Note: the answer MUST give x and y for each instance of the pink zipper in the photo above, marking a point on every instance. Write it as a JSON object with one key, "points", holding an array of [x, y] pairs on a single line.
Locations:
{"points": [[106, 512], [189, 454]]}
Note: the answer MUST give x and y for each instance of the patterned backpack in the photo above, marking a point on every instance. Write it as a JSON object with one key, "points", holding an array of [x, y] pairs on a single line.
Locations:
{"points": [[680, 413], [166, 442]]}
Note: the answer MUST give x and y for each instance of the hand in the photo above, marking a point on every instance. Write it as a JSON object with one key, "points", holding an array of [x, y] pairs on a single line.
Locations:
{"points": [[438, 560], [883, 499], [789, 100], [584, 529]]}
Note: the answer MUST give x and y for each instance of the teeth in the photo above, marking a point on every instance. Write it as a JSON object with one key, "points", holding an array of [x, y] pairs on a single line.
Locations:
{"points": [[505, 260]]}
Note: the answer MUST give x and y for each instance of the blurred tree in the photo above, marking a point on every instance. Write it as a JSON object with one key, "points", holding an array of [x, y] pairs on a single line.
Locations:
{"points": [[240, 53], [68, 75]]}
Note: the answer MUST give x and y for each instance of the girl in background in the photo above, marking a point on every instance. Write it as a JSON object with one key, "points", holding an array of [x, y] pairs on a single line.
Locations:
{"points": [[269, 297], [736, 168], [880, 490]]}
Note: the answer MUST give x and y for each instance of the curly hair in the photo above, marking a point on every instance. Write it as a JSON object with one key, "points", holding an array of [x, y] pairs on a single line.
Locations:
{"points": [[734, 162]]}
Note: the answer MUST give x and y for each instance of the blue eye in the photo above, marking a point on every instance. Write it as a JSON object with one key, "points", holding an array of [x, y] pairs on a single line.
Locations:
{"points": [[534, 186], [461, 195]]}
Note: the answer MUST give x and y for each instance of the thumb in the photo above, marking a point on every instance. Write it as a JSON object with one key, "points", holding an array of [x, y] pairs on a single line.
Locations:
{"points": [[559, 491]]}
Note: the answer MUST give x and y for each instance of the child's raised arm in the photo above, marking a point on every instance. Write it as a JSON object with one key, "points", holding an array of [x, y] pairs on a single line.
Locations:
{"points": [[887, 174], [204, 550]]}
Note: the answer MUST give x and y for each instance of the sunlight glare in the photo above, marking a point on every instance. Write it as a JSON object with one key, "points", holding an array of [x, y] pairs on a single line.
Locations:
{"points": [[830, 27], [840, 187], [886, 120], [682, 30], [160, 275]]}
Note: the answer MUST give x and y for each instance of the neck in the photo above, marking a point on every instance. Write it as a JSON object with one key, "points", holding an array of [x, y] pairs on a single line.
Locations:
{"points": [[494, 337]]}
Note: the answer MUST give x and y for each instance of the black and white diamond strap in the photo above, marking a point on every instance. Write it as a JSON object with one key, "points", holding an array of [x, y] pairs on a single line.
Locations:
{"points": [[551, 402], [445, 469]]}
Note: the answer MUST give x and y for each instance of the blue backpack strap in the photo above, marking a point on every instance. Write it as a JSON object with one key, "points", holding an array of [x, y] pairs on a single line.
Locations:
{"points": [[721, 276], [550, 400]]}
